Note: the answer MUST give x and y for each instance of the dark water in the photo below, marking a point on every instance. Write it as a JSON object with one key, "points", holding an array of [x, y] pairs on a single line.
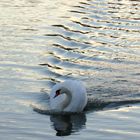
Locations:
{"points": [[45, 42]]}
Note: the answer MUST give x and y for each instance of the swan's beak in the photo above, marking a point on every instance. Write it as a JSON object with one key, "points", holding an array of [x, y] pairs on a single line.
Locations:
{"points": [[55, 96], [57, 93]]}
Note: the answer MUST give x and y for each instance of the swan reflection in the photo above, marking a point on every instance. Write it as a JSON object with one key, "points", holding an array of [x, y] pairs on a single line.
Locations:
{"points": [[67, 124]]}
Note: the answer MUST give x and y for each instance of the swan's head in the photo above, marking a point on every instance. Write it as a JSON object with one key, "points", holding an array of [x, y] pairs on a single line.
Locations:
{"points": [[61, 91], [57, 93]]}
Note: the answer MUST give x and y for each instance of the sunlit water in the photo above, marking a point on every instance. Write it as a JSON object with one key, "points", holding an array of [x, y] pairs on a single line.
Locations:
{"points": [[45, 42]]}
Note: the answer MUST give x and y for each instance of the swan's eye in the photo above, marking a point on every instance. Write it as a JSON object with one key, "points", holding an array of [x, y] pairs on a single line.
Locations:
{"points": [[57, 93]]}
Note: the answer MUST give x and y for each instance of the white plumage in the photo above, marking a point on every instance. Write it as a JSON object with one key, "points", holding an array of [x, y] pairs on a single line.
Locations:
{"points": [[68, 96]]}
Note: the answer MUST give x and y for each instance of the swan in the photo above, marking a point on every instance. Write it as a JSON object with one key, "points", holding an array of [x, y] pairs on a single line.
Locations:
{"points": [[68, 96]]}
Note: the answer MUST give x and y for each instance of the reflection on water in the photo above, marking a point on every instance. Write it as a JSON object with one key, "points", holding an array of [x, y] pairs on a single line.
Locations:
{"points": [[67, 124]]}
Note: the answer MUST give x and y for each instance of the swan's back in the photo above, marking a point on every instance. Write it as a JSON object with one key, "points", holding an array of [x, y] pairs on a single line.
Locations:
{"points": [[78, 96]]}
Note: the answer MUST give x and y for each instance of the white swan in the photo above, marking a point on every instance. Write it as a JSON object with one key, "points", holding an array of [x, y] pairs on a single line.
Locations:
{"points": [[68, 96]]}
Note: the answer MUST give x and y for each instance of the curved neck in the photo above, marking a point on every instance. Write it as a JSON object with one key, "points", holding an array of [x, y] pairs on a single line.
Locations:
{"points": [[68, 96]]}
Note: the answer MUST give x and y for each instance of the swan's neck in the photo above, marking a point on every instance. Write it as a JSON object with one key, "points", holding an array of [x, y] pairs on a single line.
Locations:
{"points": [[68, 97]]}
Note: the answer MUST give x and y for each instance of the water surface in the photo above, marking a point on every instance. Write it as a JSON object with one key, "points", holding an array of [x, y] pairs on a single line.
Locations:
{"points": [[45, 42]]}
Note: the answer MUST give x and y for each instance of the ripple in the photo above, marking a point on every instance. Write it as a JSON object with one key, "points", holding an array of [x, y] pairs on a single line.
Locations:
{"points": [[96, 41]]}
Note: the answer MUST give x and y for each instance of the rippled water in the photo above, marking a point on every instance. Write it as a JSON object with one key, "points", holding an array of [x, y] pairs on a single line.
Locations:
{"points": [[45, 42]]}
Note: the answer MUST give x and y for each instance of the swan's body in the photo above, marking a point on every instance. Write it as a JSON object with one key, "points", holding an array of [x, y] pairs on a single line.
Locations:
{"points": [[68, 96]]}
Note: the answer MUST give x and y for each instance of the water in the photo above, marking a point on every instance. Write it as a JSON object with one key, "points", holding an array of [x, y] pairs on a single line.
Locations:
{"points": [[45, 42]]}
